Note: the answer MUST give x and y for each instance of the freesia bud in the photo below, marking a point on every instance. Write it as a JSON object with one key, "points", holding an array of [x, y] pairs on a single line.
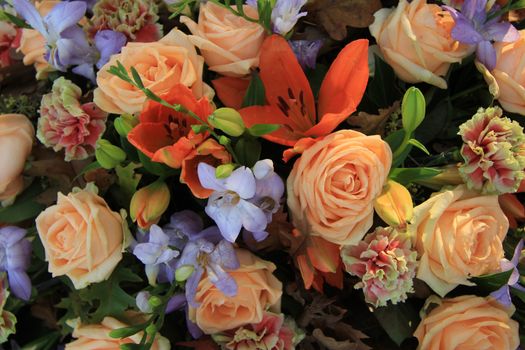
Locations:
{"points": [[227, 120], [394, 205], [224, 170], [108, 155], [183, 273], [149, 203], [124, 124]]}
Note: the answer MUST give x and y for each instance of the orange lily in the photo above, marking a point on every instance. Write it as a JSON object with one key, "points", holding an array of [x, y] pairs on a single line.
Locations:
{"points": [[289, 96]]}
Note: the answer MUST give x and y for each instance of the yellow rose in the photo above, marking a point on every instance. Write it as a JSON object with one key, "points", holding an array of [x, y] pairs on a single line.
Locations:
{"points": [[230, 44], [415, 41], [161, 65], [16, 141], [258, 290], [468, 322], [82, 237], [96, 337], [458, 234]]}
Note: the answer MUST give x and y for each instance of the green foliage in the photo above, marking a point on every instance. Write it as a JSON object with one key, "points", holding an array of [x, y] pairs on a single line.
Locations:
{"points": [[248, 150], [25, 207], [46, 342], [21, 104], [258, 130], [127, 179], [256, 94], [492, 282], [406, 176], [399, 321]]}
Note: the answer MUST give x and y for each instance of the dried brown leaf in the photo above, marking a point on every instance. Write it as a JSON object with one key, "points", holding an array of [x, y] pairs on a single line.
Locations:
{"points": [[336, 15], [372, 124], [334, 344]]}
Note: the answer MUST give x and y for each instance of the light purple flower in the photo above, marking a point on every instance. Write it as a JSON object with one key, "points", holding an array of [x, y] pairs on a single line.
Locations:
{"points": [[15, 256], [285, 15], [503, 294], [213, 259], [252, 3], [66, 42], [155, 252], [306, 51], [229, 206], [108, 42], [472, 28]]}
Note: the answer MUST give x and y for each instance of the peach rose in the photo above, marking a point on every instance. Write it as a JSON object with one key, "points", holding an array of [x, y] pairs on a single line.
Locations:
{"points": [[332, 186], [507, 80], [16, 141], [230, 44], [258, 290], [82, 237], [415, 40], [170, 61], [96, 337], [458, 234], [33, 44], [468, 322]]}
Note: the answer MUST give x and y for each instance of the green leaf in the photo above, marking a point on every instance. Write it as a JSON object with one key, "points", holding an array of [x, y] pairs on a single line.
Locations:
{"points": [[395, 140], [127, 179], [110, 298], [255, 95], [399, 321], [516, 5], [46, 342], [419, 145], [127, 331], [131, 346], [25, 207], [258, 130], [136, 77], [518, 293], [413, 109], [381, 89], [408, 175], [493, 282], [248, 150], [20, 23], [154, 168]]}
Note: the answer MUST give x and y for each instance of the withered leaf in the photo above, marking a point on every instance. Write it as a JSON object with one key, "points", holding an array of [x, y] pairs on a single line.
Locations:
{"points": [[335, 15], [372, 124], [334, 344]]}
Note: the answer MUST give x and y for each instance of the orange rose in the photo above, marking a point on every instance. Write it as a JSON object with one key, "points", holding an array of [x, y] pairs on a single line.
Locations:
{"points": [[229, 43], [258, 290], [33, 44], [458, 234], [507, 79], [415, 40], [96, 337], [468, 322], [82, 237], [16, 141], [332, 186], [161, 65]]}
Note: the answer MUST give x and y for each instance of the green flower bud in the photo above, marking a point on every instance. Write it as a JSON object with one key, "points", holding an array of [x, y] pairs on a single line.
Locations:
{"points": [[224, 170], [183, 273], [108, 155], [124, 124], [227, 120], [155, 301]]}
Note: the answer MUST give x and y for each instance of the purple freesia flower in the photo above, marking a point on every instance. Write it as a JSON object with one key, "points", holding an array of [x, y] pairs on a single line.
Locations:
{"points": [[306, 51], [15, 256], [473, 28], [285, 15], [229, 206], [214, 259], [503, 294], [155, 252]]}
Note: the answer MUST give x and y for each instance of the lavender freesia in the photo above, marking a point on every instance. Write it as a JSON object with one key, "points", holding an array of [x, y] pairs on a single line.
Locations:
{"points": [[474, 28], [306, 51], [229, 205], [503, 294], [15, 256], [285, 14]]}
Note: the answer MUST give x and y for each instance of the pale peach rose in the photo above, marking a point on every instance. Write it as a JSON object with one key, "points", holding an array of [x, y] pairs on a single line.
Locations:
{"points": [[258, 291], [230, 44], [96, 337], [170, 61], [468, 322], [333, 185], [33, 44], [16, 141], [415, 41], [458, 234], [507, 80], [82, 237]]}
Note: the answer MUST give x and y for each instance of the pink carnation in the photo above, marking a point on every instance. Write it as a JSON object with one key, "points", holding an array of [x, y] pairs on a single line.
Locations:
{"points": [[386, 265], [272, 333], [9, 38], [494, 152], [66, 124]]}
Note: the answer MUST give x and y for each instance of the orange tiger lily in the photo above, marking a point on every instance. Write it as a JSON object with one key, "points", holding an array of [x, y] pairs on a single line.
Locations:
{"points": [[289, 96]]}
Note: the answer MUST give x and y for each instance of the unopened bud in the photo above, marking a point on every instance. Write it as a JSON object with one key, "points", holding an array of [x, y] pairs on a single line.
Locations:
{"points": [[394, 205], [108, 155], [149, 203], [227, 120]]}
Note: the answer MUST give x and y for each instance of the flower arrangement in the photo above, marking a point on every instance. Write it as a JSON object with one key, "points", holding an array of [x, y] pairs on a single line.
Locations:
{"points": [[262, 174]]}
